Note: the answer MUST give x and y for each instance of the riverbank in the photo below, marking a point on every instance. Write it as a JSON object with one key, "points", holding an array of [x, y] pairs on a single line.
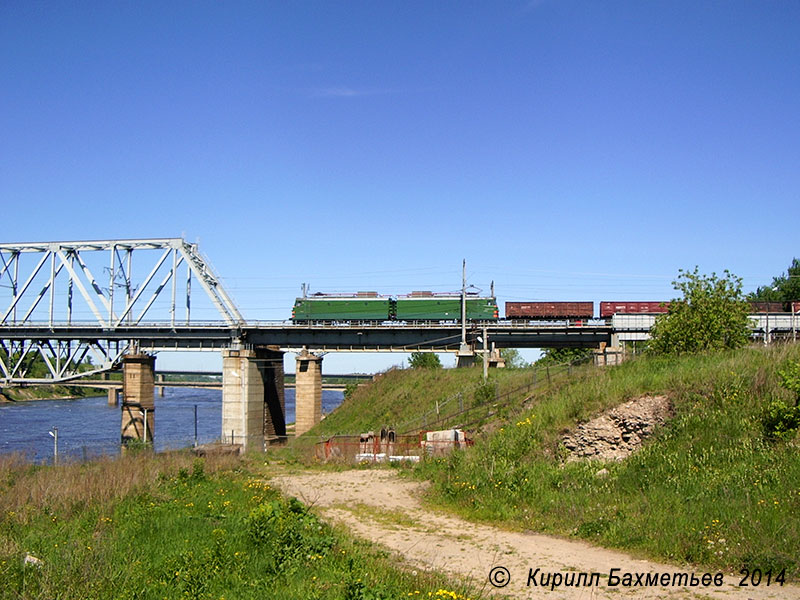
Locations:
{"points": [[47, 392]]}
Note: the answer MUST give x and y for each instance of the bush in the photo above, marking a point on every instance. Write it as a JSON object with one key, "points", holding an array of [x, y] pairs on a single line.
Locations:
{"points": [[780, 421], [789, 375], [289, 530], [484, 393]]}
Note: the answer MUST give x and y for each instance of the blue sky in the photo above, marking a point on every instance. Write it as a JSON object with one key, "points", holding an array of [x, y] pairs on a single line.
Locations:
{"points": [[569, 150]]}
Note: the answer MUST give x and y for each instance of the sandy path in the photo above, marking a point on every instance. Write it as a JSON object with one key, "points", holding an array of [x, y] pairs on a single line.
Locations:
{"points": [[384, 508]]}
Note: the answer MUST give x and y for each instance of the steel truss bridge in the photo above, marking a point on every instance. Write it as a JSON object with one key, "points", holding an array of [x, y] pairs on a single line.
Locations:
{"points": [[75, 303]]}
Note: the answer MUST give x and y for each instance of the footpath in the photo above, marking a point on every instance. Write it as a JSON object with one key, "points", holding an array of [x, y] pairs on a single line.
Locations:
{"points": [[379, 506]]}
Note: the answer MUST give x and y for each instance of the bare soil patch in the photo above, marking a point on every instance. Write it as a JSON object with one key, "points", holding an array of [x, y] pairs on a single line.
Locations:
{"points": [[380, 506], [617, 433]]}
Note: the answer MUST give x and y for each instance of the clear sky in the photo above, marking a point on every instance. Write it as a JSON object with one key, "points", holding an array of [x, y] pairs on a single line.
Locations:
{"points": [[569, 150]]}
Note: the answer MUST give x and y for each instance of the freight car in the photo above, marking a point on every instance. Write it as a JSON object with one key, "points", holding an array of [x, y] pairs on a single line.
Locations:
{"points": [[609, 309], [369, 306], [549, 310], [770, 307]]}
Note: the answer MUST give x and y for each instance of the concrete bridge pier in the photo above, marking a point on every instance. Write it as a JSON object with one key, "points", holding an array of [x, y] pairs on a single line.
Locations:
{"points": [[465, 357], [496, 360], [308, 392], [253, 404], [138, 401], [160, 377], [113, 396]]}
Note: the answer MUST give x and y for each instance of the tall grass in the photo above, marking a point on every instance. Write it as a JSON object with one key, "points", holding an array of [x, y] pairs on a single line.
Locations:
{"points": [[176, 526], [710, 488]]}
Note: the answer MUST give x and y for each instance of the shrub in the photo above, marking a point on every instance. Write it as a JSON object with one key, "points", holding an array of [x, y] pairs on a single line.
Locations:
{"points": [[789, 375], [289, 530], [780, 421]]}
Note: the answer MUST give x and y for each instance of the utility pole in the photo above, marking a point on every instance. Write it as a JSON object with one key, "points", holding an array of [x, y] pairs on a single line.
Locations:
{"points": [[485, 354], [464, 302]]}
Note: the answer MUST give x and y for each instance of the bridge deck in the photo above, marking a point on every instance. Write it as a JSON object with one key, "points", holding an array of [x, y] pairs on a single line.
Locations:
{"points": [[350, 337]]}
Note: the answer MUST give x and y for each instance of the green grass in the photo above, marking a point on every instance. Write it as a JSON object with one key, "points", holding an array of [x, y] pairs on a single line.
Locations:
{"points": [[172, 526], [711, 488], [407, 400]]}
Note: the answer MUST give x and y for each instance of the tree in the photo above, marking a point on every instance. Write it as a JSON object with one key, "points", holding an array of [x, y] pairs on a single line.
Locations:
{"points": [[512, 358], [560, 356], [424, 360], [711, 315], [784, 288]]}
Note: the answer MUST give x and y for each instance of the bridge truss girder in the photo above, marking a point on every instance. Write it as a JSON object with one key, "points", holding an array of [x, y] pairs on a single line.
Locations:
{"points": [[61, 358], [68, 257], [46, 287]]}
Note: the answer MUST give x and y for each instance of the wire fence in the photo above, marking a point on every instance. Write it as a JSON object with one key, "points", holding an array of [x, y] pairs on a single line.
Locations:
{"points": [[475, 403]]}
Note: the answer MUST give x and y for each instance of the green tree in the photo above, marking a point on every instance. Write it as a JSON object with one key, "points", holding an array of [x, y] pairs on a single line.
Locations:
{"points": [[512, 358], [711, 315], [559, 356], [424, 360], [784, 288]]}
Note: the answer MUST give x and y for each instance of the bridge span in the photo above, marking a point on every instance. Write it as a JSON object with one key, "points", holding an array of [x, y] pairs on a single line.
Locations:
{"points": [[58, 313]]}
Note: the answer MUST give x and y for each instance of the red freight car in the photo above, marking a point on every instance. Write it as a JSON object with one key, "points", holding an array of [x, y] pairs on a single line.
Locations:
{"points": [[609, 309], [549, 310], [795, 307], [767, 307]]}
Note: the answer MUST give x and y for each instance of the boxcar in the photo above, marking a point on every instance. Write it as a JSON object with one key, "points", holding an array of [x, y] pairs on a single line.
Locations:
{"points": [[768, 307], [625, 307], [549, 310]]}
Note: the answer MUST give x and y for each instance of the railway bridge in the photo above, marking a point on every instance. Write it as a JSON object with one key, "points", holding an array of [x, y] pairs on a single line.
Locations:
{"points": [[88, 307]]}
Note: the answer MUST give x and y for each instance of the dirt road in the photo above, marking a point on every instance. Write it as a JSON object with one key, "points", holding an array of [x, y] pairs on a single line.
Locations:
{"points": [[379, 506]]}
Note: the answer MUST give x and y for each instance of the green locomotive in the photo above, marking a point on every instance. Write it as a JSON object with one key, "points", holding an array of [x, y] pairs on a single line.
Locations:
{"points": [[417, 306]]}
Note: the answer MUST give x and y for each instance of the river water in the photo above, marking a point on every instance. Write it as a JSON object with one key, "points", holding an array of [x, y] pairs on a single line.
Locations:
{"points": [[89, 427]]}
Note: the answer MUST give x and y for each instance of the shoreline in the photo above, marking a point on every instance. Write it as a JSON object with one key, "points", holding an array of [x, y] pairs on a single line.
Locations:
{"points": [[6, 398]]}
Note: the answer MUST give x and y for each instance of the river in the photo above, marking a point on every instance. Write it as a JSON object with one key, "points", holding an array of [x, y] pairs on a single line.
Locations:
{"points": [[89, 427]]}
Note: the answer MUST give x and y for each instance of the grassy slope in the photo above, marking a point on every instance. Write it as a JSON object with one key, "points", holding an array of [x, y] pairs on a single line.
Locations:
{"points": [[407, 400], [708, 489]]}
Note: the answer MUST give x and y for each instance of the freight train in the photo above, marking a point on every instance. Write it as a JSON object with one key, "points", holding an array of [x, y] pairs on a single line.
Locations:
{"points": [[429, 306], [549, 311]]}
